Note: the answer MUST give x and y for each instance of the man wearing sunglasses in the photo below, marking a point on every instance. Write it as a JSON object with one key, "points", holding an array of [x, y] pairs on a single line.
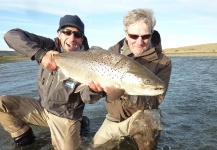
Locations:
{"points": [[58, 107], [143, 44]]}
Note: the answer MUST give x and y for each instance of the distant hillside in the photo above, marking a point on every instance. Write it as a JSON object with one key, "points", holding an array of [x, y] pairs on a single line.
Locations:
{"points": [[11, 56], [9, 53], [202, 49]]}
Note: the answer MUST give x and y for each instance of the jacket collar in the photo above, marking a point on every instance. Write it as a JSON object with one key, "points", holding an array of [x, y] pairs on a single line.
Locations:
{"points": [[57, 44]]}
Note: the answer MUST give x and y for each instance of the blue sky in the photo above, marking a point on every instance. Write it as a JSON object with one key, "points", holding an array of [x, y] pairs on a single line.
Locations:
{"points": [[180, 22]]}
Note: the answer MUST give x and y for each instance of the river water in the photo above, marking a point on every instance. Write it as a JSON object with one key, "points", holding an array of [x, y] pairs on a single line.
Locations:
{"points": [[188, 111]]}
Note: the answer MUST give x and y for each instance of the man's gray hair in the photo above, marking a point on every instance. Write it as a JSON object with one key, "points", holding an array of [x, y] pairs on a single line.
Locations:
{"points": [[144, 15]]}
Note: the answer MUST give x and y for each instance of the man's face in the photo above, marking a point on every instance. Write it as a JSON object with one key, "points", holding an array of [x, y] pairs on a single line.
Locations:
{"points": [[70, 38], [138, 36]]}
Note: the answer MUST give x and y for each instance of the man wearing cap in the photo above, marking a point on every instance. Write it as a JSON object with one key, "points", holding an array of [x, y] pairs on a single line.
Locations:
{"points": [[58, 107]]}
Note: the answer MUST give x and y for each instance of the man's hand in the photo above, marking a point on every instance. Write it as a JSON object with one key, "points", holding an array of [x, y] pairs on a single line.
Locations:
{"points": [[95, 86], [48, 61]]}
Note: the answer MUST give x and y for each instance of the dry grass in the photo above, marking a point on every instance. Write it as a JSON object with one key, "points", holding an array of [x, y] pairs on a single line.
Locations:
{"points": [[195, 50], [9, 59]]}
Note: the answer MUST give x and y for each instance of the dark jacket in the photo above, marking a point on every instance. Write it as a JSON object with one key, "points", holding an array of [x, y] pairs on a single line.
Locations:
{"points": [[56, 92], [155, 61]]}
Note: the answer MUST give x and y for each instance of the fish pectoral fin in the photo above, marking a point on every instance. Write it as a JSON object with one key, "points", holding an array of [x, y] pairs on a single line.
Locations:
{"points": [[80, 87], [113, 94]]}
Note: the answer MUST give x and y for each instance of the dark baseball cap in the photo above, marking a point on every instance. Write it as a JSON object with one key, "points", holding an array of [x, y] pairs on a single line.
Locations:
{"points": [[71, 20]]}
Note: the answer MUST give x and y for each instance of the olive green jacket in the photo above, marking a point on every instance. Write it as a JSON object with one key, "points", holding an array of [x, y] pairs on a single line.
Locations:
{"points": [[56, 92], [155, 61]]}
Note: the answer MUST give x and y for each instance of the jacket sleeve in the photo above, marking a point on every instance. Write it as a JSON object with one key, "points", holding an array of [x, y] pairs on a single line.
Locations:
{"points": [[28, 44], [91, 97]]}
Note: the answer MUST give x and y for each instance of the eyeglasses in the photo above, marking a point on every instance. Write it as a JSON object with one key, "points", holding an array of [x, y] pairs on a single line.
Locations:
{"points": [[68, 32], [135, 37]]}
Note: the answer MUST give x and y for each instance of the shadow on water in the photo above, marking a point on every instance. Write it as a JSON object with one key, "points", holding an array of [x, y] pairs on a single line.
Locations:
{"points": [[188, 111]]}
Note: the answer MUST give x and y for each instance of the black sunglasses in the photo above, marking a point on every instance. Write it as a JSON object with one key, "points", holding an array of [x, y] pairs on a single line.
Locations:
{"points": [[135, 37], [68, 32]]}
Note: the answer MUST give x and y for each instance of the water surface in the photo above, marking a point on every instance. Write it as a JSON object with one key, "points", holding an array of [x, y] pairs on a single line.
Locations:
{"points": [[188, 111]]}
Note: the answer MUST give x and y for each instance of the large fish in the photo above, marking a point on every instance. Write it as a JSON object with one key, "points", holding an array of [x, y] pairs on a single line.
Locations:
{"points": [[110, 68]]}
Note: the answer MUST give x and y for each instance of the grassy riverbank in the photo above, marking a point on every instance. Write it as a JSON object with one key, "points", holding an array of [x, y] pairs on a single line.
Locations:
{"points": [[11, 56], [195, 50], [9, 59]]}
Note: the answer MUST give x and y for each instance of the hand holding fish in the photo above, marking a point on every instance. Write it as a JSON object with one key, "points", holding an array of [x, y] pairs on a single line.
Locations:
{"points": [[95, 86], [48, 61], [112, 72]]}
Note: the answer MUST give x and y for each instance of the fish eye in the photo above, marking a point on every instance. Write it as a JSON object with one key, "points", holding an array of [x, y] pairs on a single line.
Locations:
{"points": [[146, 81]]}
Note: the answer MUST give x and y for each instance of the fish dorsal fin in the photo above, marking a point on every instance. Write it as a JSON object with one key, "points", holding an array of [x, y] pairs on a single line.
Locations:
{"points": [[113, 94], [80, 87]]}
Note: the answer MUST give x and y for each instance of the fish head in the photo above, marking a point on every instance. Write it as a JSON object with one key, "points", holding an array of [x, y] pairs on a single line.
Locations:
{"points": [[146, 83]]}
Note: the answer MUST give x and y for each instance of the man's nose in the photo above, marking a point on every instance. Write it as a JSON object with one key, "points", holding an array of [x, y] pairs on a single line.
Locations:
{"points": [[140, 40]]}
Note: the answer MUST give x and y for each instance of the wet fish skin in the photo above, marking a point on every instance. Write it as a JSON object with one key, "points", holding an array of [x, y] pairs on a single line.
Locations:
{"points": [[110, 68]]}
